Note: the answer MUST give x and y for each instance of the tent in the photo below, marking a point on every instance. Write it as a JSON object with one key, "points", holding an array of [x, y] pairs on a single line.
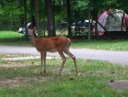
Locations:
{"points": [[111, 21]]}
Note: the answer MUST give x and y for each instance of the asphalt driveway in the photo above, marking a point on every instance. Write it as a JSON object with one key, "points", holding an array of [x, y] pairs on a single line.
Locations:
{"points": [[118, 57]]}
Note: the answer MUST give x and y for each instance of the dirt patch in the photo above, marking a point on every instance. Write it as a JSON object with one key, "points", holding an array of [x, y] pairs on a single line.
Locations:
{"points": [[20, 81], [14, 64], [119, 85]]}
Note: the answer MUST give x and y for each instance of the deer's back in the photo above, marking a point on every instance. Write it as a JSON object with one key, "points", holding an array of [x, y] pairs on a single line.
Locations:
{"points": [[52, 44]]}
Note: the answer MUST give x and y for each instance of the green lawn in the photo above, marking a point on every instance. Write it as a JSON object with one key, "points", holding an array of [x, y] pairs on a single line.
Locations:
{"points": [[14, 38], [9, 34], [102, 44], [17, 80]]}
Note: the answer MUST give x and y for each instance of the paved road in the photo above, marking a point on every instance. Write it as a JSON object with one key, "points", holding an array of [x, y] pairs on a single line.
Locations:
{"points": [[118, 57]]}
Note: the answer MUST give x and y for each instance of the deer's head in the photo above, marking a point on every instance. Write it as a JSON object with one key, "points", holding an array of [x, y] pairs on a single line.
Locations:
{"points": [[30, 29]]}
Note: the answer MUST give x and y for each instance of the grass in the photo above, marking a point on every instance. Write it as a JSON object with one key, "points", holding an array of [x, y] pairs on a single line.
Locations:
{"points": [[14, 38], [102, 44], [9, 34], [24, 81]]}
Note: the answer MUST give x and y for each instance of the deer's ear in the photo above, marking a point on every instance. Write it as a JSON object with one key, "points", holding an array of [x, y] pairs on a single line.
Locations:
{"points": [[30, 26]]}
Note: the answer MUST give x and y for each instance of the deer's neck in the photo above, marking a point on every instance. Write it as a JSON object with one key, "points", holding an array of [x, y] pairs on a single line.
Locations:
{"points": [[33, 40]]}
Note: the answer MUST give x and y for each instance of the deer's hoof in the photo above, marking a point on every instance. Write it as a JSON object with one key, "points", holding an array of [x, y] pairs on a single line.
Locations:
{"points": [[77, 74], [41, 74], [59, 74], [40, 78]]}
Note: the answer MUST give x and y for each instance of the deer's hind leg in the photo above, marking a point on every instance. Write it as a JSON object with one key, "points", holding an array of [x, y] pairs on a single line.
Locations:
{"points": [[64, 60], [66, 51]]}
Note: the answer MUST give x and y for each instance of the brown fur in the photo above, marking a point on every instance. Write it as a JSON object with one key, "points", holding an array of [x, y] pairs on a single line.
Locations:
{"points": [[54, 43]]}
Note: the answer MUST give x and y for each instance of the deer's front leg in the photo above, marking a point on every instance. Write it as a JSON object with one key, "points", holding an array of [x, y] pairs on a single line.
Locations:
{"points": [[41, 58], [43, 62]]}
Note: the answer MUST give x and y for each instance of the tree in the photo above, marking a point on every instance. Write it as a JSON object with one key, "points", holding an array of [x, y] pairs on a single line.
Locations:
{"points": [[69, 17], [10, 12], [32, 12], [37, 17], [50, 17], [25, 13]]}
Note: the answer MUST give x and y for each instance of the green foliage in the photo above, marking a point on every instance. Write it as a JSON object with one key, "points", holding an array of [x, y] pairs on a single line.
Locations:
{"points": [[9, 14], [81, 5], [12, 11]]}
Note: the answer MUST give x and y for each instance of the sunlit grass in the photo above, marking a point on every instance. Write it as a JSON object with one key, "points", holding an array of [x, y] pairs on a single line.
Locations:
{"points": [[10, 34], [13, 38], [102, 44]]}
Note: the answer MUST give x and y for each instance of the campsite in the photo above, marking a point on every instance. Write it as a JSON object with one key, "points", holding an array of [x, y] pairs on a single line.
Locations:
{"points": [[63, 48], [112, 21]]}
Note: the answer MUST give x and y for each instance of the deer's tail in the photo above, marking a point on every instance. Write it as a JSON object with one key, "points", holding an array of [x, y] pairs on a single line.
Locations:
{"points": [[69, 42]]}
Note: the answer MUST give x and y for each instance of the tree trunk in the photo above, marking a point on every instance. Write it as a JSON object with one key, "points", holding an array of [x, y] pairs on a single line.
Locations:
{"points": [[25, 13], [69, 18], [32, 2], [37, 14], [96, 17], [37, 18], [90, 23], [51, 18]]}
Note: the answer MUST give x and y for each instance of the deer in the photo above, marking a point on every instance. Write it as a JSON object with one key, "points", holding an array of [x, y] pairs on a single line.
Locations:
{"points": [[43, 45]]}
